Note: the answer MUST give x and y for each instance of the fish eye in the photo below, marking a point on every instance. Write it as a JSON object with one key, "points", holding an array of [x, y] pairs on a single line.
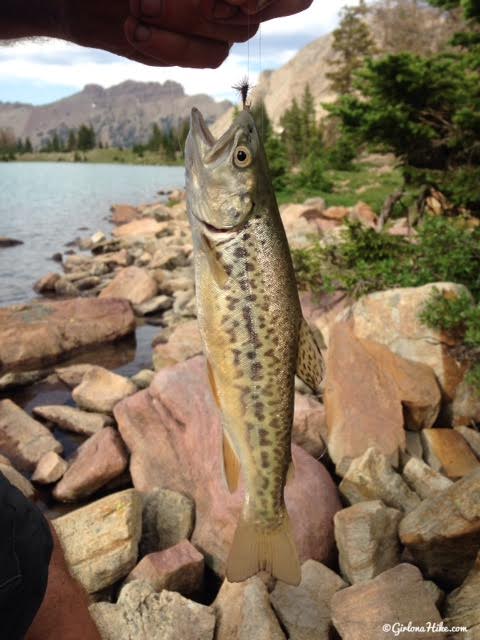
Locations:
{"points": [[242, 157]]}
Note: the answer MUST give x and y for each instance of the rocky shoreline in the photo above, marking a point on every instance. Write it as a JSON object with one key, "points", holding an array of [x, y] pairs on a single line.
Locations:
{"points": [[384, 500]]}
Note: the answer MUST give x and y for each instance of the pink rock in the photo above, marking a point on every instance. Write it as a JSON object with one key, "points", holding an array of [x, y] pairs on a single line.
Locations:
{"points": [[36, 335], [100, 459], [132, 283], [364, 214], [123, 213], [143, 227], [309, 424], [173, 431], [179, 568]]}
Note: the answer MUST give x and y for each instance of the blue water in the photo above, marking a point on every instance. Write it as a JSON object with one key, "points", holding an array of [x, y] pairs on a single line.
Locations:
{"points": [[50, 204]]}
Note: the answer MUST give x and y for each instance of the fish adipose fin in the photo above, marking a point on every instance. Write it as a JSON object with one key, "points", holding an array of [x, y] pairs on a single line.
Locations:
{"points": [[310, 362], [231, 465], [254, 549]]}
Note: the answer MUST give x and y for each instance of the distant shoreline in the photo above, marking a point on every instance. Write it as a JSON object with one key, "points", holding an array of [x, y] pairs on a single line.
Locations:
{"points": [[96, 156]]}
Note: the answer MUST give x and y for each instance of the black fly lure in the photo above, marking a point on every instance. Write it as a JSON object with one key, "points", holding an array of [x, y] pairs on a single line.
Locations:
{"points": [[243, 88]]}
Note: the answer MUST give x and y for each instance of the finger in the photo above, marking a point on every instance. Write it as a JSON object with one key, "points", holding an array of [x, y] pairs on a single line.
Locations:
{"points": [[215, 9], [172, 48], [273, 10]]}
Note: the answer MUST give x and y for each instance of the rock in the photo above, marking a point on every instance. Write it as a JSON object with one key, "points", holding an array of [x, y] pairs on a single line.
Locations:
{"points": [[414, 445], [336, 213], [305, 610], [168, 518], [462, 608], [159, 303], [392, 318], [161, 429], [97, 237], [178, 568], [86, 284], [76, 262], [100, 390], [472, 437], [316, 203], [369, 393], [359, 414], [9, 242], [184, 342], [446, 450], [100, 540], [38, 334], [123, 213], [169, 258], [371, 477], [401, 227], [142, 227], [72, 419], [73, 375], [161, 212], [302, 223], [19, 481], [367, 540], [63, 287], [143, 614], [110, 260], [424, 480], [309, 425], [363, 213], [243, 612], [132, 283], [47, 283], [443, 532], [21, 378], [396, 597], [23, 439], [465, 408], [50, 468], [96, 462], [143, 378]]}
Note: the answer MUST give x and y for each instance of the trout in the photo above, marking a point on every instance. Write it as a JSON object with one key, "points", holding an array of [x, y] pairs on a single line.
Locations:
{"points": [[254, 336]]}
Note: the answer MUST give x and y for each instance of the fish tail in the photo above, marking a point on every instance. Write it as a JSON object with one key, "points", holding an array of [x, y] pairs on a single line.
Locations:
{"points": [[256, 549]]}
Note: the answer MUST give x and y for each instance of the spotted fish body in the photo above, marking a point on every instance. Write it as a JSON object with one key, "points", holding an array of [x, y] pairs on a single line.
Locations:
{"points": [[251, 325]]}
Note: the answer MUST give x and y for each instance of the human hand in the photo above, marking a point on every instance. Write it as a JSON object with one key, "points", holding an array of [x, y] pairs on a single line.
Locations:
{"points": [[158, 33], [262, 10]]}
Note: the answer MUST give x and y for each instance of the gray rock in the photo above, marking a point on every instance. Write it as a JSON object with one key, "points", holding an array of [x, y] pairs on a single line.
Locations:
{"points": [[50, 468], [305, 610], [396, 597], [100, 540], [142, 614], [472, 436], [168, 518], [143, 378], [244, 612], [372, 477], [367, 540], [72, 419], [443, 532], [73, 375], [19, 481], [159, 303], [462, 606], [20, 379], [423, 479], [23, 439]]}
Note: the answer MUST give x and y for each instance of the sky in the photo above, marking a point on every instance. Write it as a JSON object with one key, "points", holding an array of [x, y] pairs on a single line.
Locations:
{"points": [[40, 72]]}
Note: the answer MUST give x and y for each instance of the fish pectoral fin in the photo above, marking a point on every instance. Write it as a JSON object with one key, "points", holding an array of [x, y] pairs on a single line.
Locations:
{"points": [[310, 361], [216, 266], [231, 464], [255, 549]]}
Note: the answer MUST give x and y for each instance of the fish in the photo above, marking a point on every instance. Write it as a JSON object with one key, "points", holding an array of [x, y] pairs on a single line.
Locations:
{"points": [[254, 335]]}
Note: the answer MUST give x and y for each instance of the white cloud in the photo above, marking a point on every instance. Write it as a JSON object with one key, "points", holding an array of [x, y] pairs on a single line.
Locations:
{"points": [[59, 63]]}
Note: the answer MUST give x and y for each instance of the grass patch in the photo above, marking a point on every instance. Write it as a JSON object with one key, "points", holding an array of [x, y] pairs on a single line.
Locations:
{"points": [[99, 156]]}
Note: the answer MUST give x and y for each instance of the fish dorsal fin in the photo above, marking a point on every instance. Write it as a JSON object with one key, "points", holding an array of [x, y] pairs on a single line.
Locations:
{"points": [[231, 464], [310, 361], [217, 267]]}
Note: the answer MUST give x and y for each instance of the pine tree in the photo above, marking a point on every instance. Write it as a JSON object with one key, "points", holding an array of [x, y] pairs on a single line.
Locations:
{"points": [[28, 146], [264, 125], [311, 134], [292, 136], [352, 43], [85, 138], [71, 141]]}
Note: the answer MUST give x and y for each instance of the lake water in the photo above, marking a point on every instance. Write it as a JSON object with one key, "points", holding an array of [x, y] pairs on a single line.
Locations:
{"points": [[47, 205]]}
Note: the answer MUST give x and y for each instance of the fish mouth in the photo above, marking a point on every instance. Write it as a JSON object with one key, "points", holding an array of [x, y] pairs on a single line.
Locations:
{"points": [[224, 231]]}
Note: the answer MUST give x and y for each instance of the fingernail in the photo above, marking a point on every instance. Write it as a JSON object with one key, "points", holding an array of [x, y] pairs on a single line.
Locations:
{"points": [[142, 33], [151, 7]]}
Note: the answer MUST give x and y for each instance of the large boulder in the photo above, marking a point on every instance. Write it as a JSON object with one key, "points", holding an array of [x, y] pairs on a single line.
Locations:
{"points": [[132, 283], [443, 532], [175, 439], [379, 608], [392, 318], [100, 540], [39, 334], [369, 393], [23, 439]]}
